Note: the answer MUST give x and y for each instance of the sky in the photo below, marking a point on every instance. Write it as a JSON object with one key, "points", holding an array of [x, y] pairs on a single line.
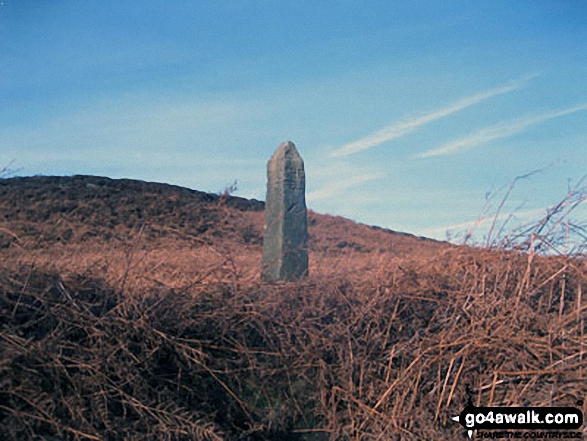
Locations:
{"points": [[410, 115]]}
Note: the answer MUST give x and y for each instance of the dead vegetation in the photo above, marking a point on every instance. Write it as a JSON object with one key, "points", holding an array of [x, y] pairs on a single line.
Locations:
{"points": [[147, 337]]}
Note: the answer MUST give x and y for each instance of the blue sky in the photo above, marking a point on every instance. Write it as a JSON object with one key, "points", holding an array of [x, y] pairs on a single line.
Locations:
{"points": [[407, 113]]}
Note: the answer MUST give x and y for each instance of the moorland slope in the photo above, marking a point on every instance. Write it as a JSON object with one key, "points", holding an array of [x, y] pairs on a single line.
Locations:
{"points": [[134, 310]]}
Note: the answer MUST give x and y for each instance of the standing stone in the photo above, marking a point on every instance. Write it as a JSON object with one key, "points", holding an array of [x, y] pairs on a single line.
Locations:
{"points": [[285, 240]]}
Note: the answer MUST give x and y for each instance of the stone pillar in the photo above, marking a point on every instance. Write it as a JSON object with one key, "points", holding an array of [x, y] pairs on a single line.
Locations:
{"points": [[285, 239]]}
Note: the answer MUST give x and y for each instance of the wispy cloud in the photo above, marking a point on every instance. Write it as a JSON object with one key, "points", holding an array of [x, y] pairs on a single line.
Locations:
{"points": [[337, 187], [502, 130], [482, 223], [402, 128]]}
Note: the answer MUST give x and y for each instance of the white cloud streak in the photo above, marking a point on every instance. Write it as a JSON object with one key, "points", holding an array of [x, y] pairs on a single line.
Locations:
{"points": [[502, 130], [403, 128], [481, 222], [336, 188]]}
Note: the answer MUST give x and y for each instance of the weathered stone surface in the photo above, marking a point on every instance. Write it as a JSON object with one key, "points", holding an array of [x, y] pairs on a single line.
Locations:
{"points": [[285, 240]]}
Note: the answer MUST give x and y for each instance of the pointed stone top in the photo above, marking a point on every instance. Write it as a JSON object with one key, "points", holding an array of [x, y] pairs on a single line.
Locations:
{"points": [[286, 149], [286, 145]]}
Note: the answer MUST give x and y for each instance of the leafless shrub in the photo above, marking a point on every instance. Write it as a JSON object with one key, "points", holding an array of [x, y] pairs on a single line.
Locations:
{"points": [[6, 171]]}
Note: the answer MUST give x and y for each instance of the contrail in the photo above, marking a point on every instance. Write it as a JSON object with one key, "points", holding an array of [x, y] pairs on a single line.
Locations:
{"points": [[402, 128], [498, 131]]}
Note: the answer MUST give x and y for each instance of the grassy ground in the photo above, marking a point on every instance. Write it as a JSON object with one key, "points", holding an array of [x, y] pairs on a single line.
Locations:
{"points": [[153, 324]]}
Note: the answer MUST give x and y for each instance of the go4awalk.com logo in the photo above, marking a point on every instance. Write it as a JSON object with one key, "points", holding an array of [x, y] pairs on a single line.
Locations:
{"points": [[543, 420]]}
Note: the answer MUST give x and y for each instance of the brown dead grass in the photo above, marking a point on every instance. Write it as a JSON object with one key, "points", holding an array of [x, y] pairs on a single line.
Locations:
{"points": [[174, 337]]}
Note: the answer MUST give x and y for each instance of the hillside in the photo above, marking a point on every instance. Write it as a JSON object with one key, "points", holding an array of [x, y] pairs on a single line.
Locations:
{"points": [[73, 209], [134, 310]]}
